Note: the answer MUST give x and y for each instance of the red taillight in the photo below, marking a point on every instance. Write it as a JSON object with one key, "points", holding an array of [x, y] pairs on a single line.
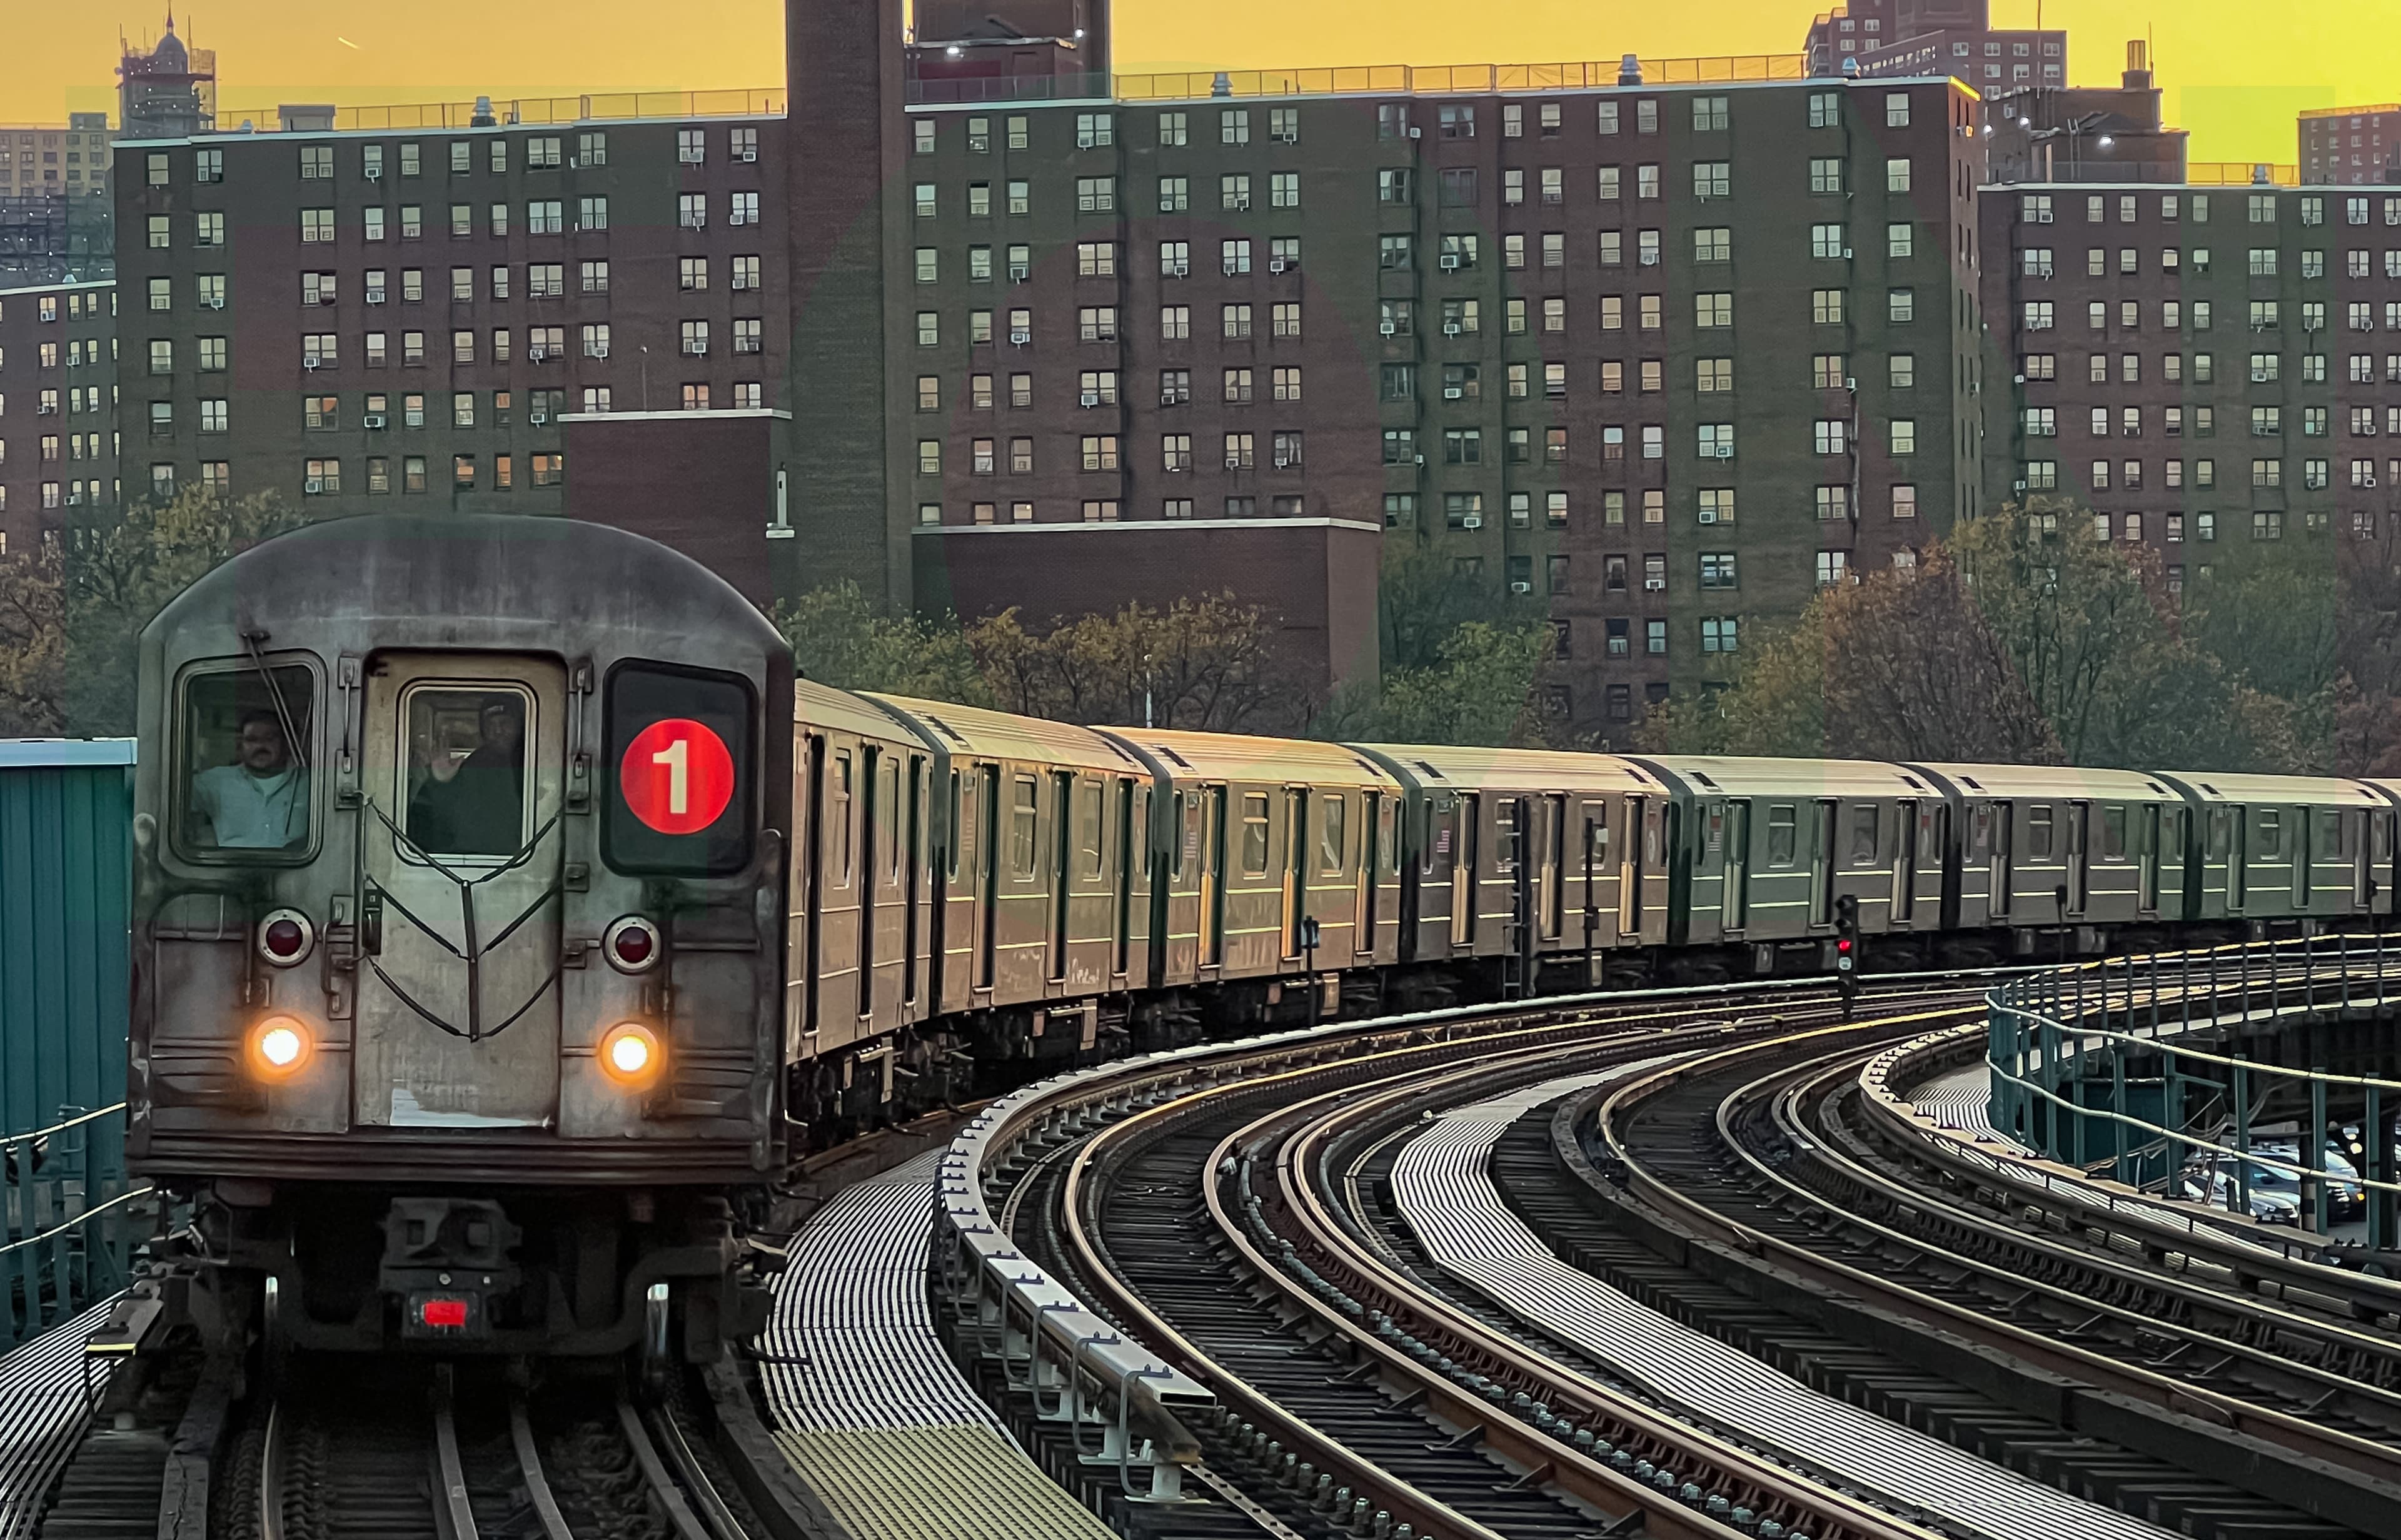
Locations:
{"points": [[632, 945], [1843, 944], [284, 937], [452, 1314]]}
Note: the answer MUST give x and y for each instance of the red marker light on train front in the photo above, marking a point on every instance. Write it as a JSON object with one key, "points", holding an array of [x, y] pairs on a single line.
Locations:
{"points": [[284, 937], [632, 945], [450, 1314]]}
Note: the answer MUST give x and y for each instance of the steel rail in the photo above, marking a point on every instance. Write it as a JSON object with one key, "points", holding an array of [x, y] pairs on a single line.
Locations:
{"points": [[538, 1492], [1757, 1480]]}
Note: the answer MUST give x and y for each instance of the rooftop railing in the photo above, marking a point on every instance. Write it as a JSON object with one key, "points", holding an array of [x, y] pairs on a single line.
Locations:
{"points": [[598, 107], [1353, 80]]}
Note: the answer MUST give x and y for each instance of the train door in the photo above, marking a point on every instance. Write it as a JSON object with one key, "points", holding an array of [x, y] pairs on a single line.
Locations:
{"points": [[1904, 864], [1363, 899], [1821, 864], [1555, 862], [1734, 900], [1463, 872], [2147, 884], [2236, 824], [1213, 877], [2079, 855], [987, 875], [461, 856], [1129, 836], [2002, 816], [1592, 854], [2366, 840], [1629, 869], [812, 799], [1063, 845], [913, 868], [2305, 850], [871, 787], [1295, 867]]}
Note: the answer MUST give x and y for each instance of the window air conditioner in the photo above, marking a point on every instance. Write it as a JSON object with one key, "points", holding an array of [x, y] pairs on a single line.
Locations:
{"points": [[1416, 132], [600, 350], [1521, 588], [1388, 328], [1019, 275], [695, 350], [538, 354], [1453, 392], [1472, 521], [1174, 466], [1233, 462], [1277, 265], [1655, 585], [1019, 339], [216, 302], [374, 173], [538, 417], [309, 361], [376, 421], [749, 156], [1284, 463], [1450, 328], [1232, 267], [1449, 262], [315, 484]]}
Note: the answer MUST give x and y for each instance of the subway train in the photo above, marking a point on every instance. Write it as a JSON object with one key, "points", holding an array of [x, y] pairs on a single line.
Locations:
{"points": [[509, 915]]}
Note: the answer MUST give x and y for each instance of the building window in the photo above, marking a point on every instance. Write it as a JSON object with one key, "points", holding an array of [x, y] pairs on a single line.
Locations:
{"points": [[695, 398], [549, 469], [324, 479]]}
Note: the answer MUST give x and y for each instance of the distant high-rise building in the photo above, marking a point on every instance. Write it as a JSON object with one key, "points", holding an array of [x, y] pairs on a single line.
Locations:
{"points": [[1933, 37], [2348, 147], [170, 91], [2085, 133], [55, 218]]}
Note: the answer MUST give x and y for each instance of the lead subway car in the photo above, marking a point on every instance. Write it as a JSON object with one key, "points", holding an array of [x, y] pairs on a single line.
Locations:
{"points": [[458, 935]]}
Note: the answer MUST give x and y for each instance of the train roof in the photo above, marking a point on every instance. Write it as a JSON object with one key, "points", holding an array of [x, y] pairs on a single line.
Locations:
{"points": [[973, 731], [1533, 770], [1719, 774], [1234, 757], [2053, 780], [2211, 787], [522, 582], [822, 706]]}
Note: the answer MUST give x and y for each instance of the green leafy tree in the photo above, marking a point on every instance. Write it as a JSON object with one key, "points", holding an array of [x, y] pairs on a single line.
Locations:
{"points": [[1481, 689], [33, 643], [839, 639], [1205, 665]]}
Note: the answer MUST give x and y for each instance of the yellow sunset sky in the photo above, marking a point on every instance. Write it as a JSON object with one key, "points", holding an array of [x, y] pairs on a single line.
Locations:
{"points": [[2236, 71]]}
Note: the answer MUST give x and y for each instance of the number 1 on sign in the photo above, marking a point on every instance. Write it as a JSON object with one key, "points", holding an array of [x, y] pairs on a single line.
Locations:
{"points": [[676, 757]]}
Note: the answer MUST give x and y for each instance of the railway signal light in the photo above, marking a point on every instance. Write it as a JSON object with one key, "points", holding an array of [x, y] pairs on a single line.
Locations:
{"points": [[1846, 949]]}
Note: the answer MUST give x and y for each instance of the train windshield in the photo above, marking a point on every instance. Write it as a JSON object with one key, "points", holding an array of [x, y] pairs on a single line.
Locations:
{"points": [[246, 776], [467, 770]]}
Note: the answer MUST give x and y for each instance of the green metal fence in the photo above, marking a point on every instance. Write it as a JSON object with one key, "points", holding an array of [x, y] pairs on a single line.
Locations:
{"points": [[68, 1213]]}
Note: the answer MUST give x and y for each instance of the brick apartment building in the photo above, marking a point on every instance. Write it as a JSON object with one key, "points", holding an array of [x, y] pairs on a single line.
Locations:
{"points": [[2351, 146], [984, 325], [1920, 37], [58, 407], [355, 316], [2217, 369], [1655, 358]]}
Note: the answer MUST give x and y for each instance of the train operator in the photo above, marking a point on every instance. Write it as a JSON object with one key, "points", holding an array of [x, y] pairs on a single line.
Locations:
{"points": [[260, 802], [479, 809]]}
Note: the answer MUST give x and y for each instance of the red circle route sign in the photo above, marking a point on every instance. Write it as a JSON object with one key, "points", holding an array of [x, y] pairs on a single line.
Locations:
{"points": [[677, 776]]}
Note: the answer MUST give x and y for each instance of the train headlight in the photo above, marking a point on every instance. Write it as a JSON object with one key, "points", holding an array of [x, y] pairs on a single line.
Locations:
{"points": [[632, 945], [281, 1046], [286, 936], [630, 1054]]}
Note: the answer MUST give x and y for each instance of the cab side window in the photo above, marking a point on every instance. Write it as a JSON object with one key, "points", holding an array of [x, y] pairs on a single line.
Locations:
{"points": [[1783, 823], [1255, 833], [244, 782]]}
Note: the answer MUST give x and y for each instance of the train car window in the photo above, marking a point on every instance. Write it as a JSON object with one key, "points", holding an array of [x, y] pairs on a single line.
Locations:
{"points": [[888, 812], [466, 787], [2333, 835], [1864, 819], [1332, 834], [1504, 822], [1024, 812], [1255, 833], [682, 754], [1388, 850], [1595, 829], [245, 791], [2380, 836], [2271, 835], [1087, 829], [2113, 833], [2219, 820], [1783, 833], [1187, 850], [2038, 833], [838, 802], [1435, 853]]}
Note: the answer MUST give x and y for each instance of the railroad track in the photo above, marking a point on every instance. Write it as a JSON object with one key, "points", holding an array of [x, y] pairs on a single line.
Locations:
{"points": [[405, 1450], [1348, 1403], [1722, 1166]]}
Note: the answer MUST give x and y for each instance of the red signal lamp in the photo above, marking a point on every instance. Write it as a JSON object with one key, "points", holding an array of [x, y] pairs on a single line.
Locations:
{"points": [[284, 937], [443, 1315], [632, 945]]}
